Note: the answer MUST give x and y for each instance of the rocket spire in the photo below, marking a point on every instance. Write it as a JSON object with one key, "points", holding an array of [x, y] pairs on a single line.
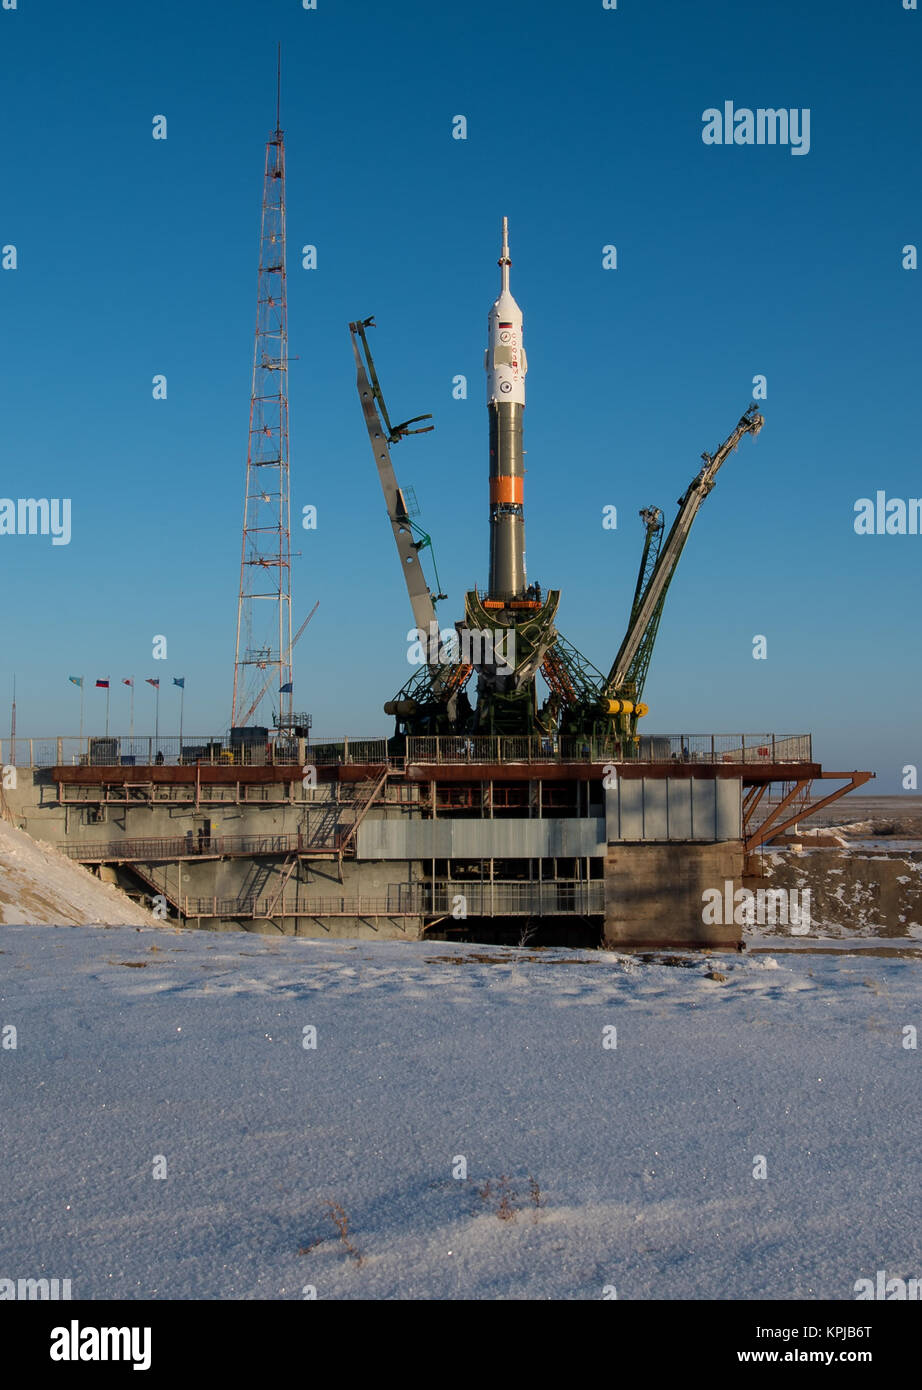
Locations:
{"points": [[504, 262], [506, 367], [278, 96]]}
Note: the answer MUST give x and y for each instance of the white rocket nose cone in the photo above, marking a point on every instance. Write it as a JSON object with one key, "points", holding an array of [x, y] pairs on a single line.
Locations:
{"points": [[505, 356], [505, 306]]}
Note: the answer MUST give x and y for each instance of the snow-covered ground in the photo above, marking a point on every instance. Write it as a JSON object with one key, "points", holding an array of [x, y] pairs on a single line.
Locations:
{"points": [[40, 884], [139, 1046]]}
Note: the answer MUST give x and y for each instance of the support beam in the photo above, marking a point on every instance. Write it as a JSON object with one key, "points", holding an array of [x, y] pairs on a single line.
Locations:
{"points": [[772, 826], [285, 877]]}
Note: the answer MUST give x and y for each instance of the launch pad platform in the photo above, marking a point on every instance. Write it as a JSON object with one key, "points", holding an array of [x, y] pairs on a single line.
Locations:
{"points": [[470, 838]]}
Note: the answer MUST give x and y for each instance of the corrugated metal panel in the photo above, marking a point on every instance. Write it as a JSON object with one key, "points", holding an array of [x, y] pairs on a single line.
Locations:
{"points": [[629, 796], [679, 794], [611, 813], [388, 839], [651, 809], [703, 809], [729, 809], [504, 838], [655, 810]]}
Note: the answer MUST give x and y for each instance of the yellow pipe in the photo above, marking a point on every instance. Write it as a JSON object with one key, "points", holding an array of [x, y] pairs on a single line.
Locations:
{"points": [[616, 706]]}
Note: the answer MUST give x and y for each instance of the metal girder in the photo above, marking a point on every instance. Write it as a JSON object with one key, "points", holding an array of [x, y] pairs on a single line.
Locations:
{"points": [[773, 824], [381, 433], [636, 676], [289, 870], [363, 809], [647, 611], [263, 636], [294, 642], [570, 675], [654, 526], [752, 798]]}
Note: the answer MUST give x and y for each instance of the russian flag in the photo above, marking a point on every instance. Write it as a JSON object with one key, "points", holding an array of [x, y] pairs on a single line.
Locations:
{"points": [[104, 685]]}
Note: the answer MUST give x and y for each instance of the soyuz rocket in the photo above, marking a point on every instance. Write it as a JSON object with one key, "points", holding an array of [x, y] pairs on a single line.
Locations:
{"points": [[506, 365], [506, 699], [510, 631]]}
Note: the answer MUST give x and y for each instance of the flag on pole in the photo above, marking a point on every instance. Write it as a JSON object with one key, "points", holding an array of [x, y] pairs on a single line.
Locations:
{"points": [[155, 682], [286, 689], [129, 681], [102, 685], [181, 682], [78, 681]]}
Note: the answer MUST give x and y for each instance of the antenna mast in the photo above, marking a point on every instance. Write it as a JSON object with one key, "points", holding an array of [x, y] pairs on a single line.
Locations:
{"points": [[278, 95], [264, 607]]}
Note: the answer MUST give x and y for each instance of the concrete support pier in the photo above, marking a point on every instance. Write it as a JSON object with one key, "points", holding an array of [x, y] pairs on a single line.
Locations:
{"points": [[654, 893]]}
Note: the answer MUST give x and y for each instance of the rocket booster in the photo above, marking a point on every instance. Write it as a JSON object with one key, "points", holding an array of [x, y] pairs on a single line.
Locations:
{"points": [[506, 367]]}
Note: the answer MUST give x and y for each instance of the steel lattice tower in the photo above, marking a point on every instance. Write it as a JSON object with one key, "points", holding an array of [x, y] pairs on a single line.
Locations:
{"points": [[264, 606]]}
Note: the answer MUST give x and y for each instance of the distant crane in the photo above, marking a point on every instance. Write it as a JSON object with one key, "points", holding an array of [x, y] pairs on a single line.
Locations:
{"points": [[581, 698], [629, 669], [430, 697], [650, 597]]}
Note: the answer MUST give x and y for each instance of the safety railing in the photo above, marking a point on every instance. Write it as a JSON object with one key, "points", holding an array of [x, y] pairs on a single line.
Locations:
{"points": [[656, 748], [204, 750], [272, 907], [194, 845], [141, 752], [557, 897], [458, 901]]}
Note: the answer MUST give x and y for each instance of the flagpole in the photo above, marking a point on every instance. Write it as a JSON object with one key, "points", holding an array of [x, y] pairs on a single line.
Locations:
{"points": [[157, 712], [107, 708], [131, 710], [182, 701], [82, 678]]}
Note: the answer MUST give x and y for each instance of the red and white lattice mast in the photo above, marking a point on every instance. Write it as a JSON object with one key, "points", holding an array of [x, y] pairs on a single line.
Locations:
{"points": [[264, 606]]}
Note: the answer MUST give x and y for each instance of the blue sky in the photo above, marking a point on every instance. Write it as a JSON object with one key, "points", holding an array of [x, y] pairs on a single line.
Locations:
{"points": [[138, 257]]}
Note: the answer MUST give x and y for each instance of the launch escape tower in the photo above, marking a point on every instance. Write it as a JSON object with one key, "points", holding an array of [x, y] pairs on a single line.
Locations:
{"points": [[508, 635], [264, 641]]}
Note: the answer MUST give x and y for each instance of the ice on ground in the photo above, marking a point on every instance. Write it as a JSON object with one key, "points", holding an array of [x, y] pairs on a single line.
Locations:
{"points": [[39, 884], [825, 833], [340, 1168]]}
